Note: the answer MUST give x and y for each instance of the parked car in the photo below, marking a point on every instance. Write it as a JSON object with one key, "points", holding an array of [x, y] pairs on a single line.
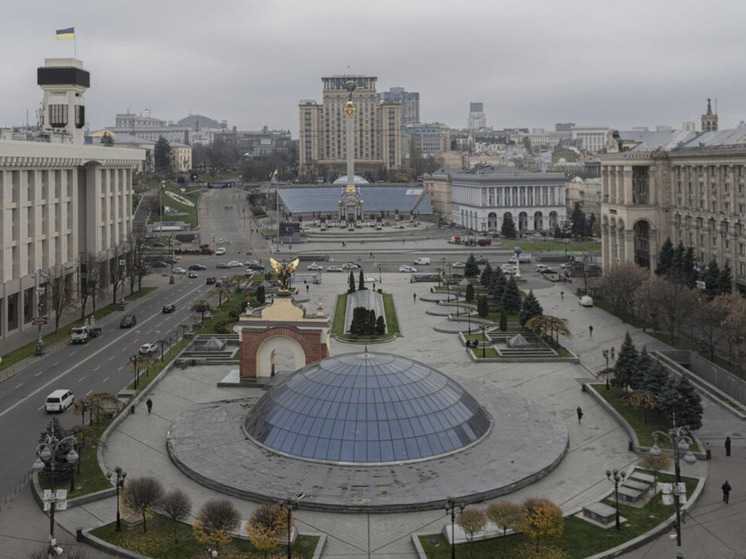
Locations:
{"points": [[59, 401], [168, 309], [235, 264], [407, 268], [254, 266], [193, 274], [482, 261], [334, 269], [157, 245], [350, 266], [210, 281], [128, 321], [315, 267], [458, 265], [585, 301], [148, 348], [197, 267], [220, 251]]}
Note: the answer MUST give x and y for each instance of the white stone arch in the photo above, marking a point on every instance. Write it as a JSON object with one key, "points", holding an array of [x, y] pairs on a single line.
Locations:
{"points": [[538, 221], [269, 349], [492, 221]]}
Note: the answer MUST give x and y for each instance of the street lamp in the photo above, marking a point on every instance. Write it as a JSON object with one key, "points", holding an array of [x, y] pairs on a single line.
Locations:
{"points": [[605, 353], [46, 453], [119, 485], [380, 267], [484, 340], [616, 476], [40, 291], [288, 506], [464, 283], [450, 506], [135, 364], [122, 264], [679, 438]]}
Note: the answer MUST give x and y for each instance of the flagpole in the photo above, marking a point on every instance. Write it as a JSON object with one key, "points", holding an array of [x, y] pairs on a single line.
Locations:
{"points": [[75, 46]]}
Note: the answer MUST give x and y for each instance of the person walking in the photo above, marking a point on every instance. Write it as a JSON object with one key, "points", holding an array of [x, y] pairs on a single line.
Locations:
{"points": [[726, 491], [613, 352], [562, 295], [149, 403], [727, 446], [590, 330], [414, 297], [307, 288], [579, 411]]}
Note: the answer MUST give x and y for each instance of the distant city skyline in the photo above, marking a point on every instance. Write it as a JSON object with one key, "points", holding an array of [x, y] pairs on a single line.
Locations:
{"points": [[595, 64]]}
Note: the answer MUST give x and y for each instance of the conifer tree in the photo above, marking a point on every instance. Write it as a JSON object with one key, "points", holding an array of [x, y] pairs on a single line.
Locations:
{"points": [[503, 320], [656, 379], [483, 308], [640, 372], [486, 276], [680, 402], [512, 296], [508, 227], [469, 293], [626, 362], [529, 308], [361, 281], [711, 277], [352, 283], [725, 280], [665, 258], [497, 285], [471, 268]]}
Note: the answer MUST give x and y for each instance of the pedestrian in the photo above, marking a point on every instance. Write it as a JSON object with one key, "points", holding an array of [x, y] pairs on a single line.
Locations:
{"points": [[149, 403], [414, 297], [562, 295], [580, 414], [726, 491], [590, 330], [613, 352], [371, 254], [307, 288], [727, 446]]}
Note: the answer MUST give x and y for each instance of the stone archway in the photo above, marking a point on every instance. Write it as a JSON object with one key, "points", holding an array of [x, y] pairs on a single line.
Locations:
{"points": [[642, 243], [279, 354]]}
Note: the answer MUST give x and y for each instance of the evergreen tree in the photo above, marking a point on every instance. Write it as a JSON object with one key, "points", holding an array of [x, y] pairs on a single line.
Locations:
{"points": [[676, 272], [591, 225], [469, 293], [711, 277], [261, 295], [483, 308], [352, 283], [512, 297], [656, 378], [578, 221], [665, 258], [380, 326], [107, 140], [626, 362], [641, 370], [370, 325], [680, 402], [471, 269], [498, 284], [725, 280], [361, 281], [486, 276], [503, 320], [530, 308], [508, 227], [690, 273], [162, 156]]}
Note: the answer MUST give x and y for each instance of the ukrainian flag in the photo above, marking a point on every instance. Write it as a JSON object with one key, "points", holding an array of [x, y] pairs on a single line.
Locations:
{"points": [[67, 33]]}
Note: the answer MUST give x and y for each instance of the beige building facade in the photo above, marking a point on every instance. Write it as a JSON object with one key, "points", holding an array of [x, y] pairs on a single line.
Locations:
{"points": [[377, 126], [695, 194]]}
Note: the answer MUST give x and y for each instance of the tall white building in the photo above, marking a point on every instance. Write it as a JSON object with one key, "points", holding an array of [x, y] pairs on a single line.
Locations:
{"points": [[477, 119], [377, 135], [60, 200]]}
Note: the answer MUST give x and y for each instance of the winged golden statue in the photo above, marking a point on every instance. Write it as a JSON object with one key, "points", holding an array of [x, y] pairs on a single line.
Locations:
{"points": [[284, 271]]}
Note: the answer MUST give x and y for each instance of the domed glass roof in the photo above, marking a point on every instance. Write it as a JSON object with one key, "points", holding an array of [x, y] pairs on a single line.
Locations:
{"points": [[367, 408]]}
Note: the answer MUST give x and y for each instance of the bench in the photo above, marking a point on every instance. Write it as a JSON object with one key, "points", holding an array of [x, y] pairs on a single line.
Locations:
{"points": [[643, 478], [637, 485], [630, 495], [600, 512]]}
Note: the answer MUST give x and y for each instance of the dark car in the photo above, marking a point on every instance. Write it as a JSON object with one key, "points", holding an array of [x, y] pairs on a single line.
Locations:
{"points": [[482, 261], [197, 267], [168, 309], [128, 321], [211, 281], [222, 266], [253, 266]]}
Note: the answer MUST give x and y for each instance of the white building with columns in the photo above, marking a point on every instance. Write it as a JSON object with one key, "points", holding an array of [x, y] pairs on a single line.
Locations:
{"points": [[59, 199], [482, 197]]}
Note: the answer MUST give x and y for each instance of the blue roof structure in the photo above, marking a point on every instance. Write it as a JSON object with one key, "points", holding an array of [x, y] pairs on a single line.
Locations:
{"points": [[376, 198], [367, 408]]}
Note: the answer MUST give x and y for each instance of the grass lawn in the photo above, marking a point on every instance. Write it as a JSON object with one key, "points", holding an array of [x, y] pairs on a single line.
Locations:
{"points": [[29, 349], [159, 542], [489, 353], [580, 539], [392, 323], [187, 213]]}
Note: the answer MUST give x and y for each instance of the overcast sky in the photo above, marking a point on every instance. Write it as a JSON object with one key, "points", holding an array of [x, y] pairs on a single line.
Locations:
{"points": [[532, 64]]}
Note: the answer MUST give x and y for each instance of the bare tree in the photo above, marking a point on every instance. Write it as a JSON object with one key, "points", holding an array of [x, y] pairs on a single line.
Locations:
{"points": [[62, 295], [215, 519], [141, 495], [662, 301], [620, 284], [89, 279], [177, 505], [712, 320], [118, 270], [138, 250]]}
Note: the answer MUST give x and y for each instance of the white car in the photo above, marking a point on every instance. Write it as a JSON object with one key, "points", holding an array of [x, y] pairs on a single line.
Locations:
{"points": [[508, 269], [369, 279], [407, 268], [334, 269], [235, 264], [178, 270], [147, 349], [350, 266], [458, 265], [585, 301], [219, 251], [315, 267]]}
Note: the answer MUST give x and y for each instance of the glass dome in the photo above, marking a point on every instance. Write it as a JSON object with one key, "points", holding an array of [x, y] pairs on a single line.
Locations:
{"points": [[367, 408]]}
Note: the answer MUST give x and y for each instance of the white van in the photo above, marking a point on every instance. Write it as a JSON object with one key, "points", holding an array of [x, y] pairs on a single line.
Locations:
{"points": [[422, 261], [59, 401], [219, 251]]}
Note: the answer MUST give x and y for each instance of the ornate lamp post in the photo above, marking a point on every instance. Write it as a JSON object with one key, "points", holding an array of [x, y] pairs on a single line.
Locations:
{"points": [[484, 340], [40, 291], [380, 268], [450, 506], [617, 477], [681, 441], [135, 365], [119, 483], [46, 453], [605, 353], [288, 506], [212, 553]]}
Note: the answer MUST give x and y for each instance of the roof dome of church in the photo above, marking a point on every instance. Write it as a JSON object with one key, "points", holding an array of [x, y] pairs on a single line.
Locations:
{"points": [[357, 180], [367, 408]]}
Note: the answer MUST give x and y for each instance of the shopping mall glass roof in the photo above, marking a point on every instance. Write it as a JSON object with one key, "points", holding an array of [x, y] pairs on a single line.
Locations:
{"points": [[376, 198], [367, 408]]}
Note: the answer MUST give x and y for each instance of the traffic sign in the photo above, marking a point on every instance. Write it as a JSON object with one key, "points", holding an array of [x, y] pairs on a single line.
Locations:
{"points": [[40, 320]]}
